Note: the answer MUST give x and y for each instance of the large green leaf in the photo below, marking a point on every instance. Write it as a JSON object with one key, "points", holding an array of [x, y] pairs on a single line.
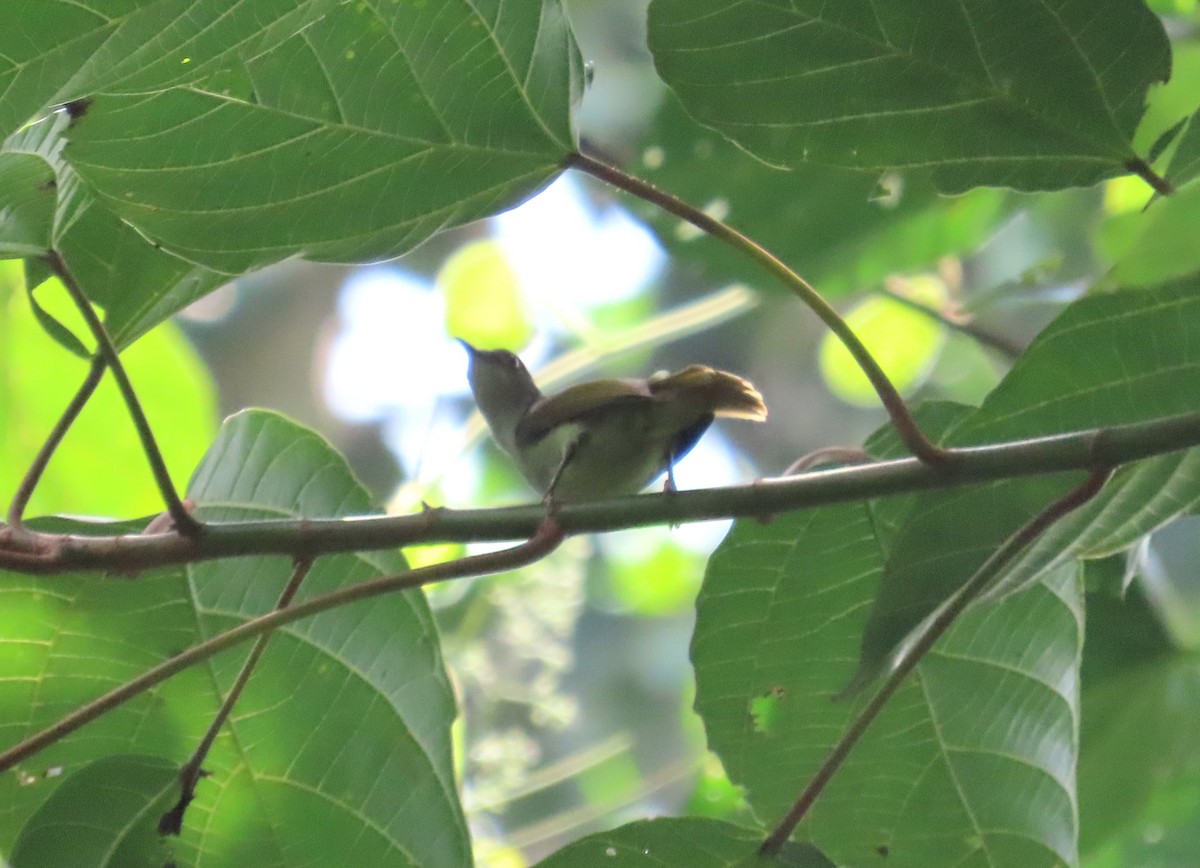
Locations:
{"points": [[338, 751], [972, 762], [137, 284], [1027, 94], [53, 51], [843, 230], [1107, 360], [355, 140]]}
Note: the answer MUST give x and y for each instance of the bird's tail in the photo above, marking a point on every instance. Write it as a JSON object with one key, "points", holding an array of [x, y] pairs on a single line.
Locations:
{"points": [[724, 393]]}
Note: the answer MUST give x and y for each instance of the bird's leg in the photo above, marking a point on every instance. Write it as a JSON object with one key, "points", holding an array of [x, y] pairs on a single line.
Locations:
{"points": [[669, 486], [568, 454]]}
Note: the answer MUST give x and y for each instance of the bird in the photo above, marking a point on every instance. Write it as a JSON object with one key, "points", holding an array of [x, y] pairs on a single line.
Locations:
{"points": [[603, 438]]}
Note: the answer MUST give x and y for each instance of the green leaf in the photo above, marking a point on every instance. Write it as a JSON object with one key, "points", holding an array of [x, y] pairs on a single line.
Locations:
{"points": [[1021, 94], [63, 51], [121, 798], [1139, 764], [484, 303], [843, 230], [318, 162], [137, 284], [905, 342], [683, 842], [972, 760], [1106, 360], [26, 207], [100, 469], [1185, 163], [1155, 245], [341, 739]]}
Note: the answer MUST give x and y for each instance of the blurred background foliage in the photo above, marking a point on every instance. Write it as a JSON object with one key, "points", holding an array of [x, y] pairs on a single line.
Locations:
{"points": [[573, 675]]}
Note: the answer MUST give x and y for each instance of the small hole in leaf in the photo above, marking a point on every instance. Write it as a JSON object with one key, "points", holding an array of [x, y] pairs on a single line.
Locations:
{"points": [[764, 710]]}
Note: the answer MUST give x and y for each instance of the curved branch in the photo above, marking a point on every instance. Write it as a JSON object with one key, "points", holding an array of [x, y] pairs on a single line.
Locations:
{"points": [[906, 425]]}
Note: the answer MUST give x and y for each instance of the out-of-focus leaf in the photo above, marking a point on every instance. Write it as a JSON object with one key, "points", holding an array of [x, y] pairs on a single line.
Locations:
{"points": [[100, 469], [1139, 764], [121, 797], [484, 304], [316, 163], [1185, 164], [843, 230], [903, 341], [1155, 245], [338, 751], [1108, 359], [1018, 94], [680, 843], [656, 578]]}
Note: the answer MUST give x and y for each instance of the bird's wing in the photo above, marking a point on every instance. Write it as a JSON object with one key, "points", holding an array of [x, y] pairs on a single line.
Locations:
{"points": [[576, 402], [724, 393]]}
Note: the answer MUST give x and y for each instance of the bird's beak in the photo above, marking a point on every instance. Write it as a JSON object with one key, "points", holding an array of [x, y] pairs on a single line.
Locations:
{"points": [[471, 351]]}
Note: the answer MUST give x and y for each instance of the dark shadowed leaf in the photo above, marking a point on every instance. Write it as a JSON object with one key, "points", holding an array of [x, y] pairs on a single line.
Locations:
{"points": [[681, 843], [1019, 94], [316, 160]]}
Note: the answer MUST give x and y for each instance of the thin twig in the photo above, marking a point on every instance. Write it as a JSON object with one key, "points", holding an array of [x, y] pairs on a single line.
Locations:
{"points": [[544, 541], [171, 822], [16, 510], [910, 432], [1007, 347], [938, 625], [185, 523], [1142, 169]]}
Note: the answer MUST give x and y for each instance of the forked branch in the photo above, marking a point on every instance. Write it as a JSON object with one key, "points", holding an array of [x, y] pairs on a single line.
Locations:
{"points": [[106, 350]]}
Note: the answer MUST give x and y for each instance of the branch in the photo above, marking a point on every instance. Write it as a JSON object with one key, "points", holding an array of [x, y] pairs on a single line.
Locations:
{"points": [[171, 822], [107, 351], [16, 509], [47, 554], [1142, 169], [941, 622], [541, 543], [906, 425]]}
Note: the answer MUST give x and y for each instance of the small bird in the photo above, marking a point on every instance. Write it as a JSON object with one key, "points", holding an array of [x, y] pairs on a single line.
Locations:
{"points": [[604, 438]]}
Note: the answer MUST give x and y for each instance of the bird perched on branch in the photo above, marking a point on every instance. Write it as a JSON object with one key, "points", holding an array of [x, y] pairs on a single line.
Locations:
{"points": [[603, 438]]}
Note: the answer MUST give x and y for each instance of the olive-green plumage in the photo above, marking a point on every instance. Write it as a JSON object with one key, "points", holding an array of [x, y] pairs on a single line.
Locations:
{"points": [[607, 437]]}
